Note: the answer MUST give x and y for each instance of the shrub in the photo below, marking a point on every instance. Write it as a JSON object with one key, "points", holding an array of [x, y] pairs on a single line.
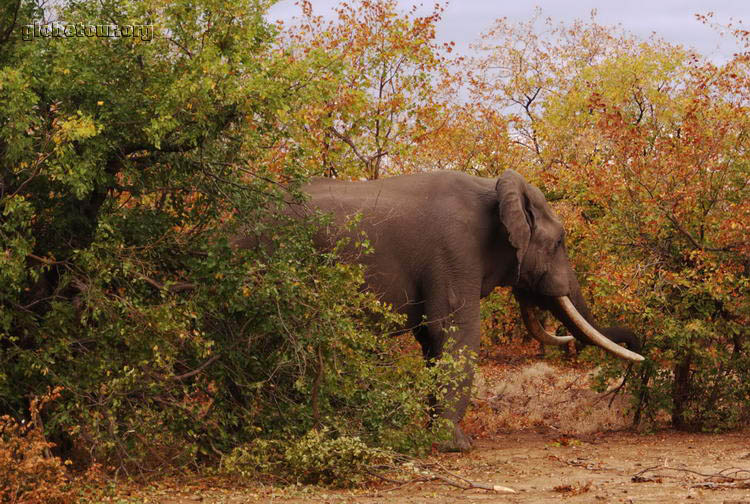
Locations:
{"points": [[28, 471], [117, 280], [315, 458]]}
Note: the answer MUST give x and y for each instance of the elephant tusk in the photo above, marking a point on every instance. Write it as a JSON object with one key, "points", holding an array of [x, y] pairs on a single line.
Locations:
{"points": [[594, 335], [537, 331]]}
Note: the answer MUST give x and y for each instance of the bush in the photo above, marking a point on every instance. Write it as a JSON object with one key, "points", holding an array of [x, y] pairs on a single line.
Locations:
{"points": [[316, 458], [117, 280], [28, 472]]}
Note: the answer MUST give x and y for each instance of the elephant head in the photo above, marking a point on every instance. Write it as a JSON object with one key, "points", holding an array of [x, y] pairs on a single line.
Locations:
{"points": [[543, 276]]}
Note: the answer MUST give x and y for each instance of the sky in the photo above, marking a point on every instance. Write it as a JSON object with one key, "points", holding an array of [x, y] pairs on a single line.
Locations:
{"points": [[673, 20]]}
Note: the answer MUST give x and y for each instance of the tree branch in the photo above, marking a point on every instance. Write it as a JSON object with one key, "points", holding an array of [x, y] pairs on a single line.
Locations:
{"points": [[198, 369]]}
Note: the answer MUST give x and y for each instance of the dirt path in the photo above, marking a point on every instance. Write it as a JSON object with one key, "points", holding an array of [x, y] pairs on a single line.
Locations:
{"points": [[541, 468], [593, 469]]}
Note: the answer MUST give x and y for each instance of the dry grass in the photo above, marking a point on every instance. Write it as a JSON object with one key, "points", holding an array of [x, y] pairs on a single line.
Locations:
{"points": [[537, 394]]}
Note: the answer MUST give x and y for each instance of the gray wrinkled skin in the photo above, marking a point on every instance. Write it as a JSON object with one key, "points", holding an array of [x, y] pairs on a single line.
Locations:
{"points": [[444, 240]]}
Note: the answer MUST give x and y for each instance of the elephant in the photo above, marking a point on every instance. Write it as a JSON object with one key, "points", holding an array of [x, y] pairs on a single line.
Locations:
{"points": [[442, 241]]}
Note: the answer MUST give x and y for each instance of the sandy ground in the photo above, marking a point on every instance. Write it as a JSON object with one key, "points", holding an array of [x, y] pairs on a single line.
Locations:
{"points": [[597, 468], [594, 468], [540, 430]]}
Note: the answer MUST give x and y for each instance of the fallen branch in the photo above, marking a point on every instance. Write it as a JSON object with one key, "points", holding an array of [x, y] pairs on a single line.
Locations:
{"points": [[468, 484], [726, 477], [428, 472]]}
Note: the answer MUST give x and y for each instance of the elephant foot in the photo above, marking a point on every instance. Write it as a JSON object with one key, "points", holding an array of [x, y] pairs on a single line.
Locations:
{"points": [[461, 442]]}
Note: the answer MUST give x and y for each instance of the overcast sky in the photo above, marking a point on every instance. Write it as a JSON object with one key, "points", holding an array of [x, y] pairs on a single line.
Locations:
{"points": [[673, 20]]}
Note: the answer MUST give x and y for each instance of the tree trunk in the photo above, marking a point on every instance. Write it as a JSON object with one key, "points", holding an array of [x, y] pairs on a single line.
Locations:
{"points": [[681, 392]]}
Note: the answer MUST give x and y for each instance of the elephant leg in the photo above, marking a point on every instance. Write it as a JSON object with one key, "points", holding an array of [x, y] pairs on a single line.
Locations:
{"points": [[450, 341], [429, 353], [430, 349]]}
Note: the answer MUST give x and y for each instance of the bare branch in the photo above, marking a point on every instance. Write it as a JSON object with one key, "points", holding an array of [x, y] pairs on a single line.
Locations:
{"points": [[198, 369]]}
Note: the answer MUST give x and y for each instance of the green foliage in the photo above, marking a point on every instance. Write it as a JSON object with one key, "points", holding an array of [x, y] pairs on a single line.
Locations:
{"points": [[126, 166], [315, 458], [500, 321]]}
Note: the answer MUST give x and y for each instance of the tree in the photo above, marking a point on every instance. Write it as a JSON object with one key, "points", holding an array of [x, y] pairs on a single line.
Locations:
{"points": [[643, 144], [382, 86]]}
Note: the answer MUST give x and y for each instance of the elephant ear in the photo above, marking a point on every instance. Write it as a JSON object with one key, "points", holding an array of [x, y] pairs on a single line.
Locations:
{"points": [[510, 190]]}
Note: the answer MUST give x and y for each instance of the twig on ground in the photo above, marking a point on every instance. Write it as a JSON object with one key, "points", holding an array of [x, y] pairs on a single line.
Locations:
{"points": [[713, 485], [427, 472], [729, 477]]}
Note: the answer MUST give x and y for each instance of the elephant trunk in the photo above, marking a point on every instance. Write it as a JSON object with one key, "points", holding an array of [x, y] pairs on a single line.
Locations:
{"points": [[578, 319], [623, 335], [615, 334]]}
